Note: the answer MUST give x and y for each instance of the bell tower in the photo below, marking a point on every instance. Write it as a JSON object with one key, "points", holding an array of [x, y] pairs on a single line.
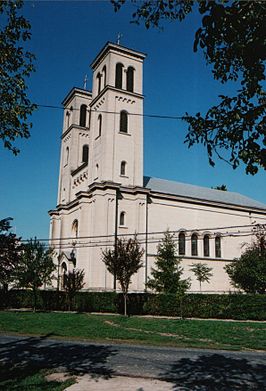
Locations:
{"points": [[117, 116]]}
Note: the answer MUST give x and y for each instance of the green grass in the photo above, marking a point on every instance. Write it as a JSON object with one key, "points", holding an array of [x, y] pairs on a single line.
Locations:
{"points": [[33, 382], [139, 330]]}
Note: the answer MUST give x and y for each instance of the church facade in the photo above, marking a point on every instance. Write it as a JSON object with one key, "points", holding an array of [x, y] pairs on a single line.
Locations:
{"points": [[102, 193]]}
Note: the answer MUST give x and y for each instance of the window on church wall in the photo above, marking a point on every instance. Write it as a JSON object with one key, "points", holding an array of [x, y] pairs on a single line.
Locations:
{"points": [[130, 79], [82, 115], [218, 252], [123, 168], [206, 246], [123, 122], [182, 243], [75, 227], [100, 125], [104, 76], [67, 119], [96, 171], [194, 244], [98, 77], [85, 154], [119, 75], [66, 156], [122, 218]]}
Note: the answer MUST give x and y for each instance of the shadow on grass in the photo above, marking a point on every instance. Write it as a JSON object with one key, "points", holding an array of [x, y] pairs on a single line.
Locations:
{"points": [[24, 357], [216, 372]]}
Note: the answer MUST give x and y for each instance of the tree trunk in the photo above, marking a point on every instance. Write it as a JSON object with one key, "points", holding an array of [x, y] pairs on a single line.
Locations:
{"points": [[34, 299], [125, 303]]}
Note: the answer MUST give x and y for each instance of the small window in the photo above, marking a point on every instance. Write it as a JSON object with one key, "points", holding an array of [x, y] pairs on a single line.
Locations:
{"points": [[100, 125], [194, 244], [118, 75], [206, 246], [218, 252], [99, 76], [104, 76], [82, 115], [67, 156], [75, 227], [130, 79], [96, 171], [123, 168], [85, 154], [67, 119], [123, 121], [122, 218], [182, 243]]}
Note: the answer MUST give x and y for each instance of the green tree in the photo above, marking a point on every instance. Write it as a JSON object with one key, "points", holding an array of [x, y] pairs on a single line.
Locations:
{"points": [[123, 262], [35, 267], [16, 64], [10, 249], [166, 276], [202, 272], [249, 271], [73, 281], [232, 37]]}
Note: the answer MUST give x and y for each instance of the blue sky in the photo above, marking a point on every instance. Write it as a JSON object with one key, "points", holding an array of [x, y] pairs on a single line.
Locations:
{"points": [[66, 37]]}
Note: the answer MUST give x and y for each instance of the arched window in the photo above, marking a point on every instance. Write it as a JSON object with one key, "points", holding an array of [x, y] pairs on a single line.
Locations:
{"points": [[104, 76], [182, 243], [218, 252], [96, 171], [85, 154], [67, 119], [99, 76], [206, 246], [118, 75], [82, 115], [194, 244], [67, 156], [99, 125], [123, 121], [75, 228], [123, 168], [130, 79], [122, 218]]}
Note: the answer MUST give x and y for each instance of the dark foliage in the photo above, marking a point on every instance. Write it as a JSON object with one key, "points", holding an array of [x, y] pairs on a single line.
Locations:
{"points": [[10, 249], [16, 64]]}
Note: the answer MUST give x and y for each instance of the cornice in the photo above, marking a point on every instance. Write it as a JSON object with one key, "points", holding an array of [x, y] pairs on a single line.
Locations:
{"points": [[118, 90], [109, 46]]}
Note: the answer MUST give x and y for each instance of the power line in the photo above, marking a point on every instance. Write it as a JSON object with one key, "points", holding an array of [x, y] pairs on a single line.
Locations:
{"points": [[182, 118], [67, 246], [204, 229]]}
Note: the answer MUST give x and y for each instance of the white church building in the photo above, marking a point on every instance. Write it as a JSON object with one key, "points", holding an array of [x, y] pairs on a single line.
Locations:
{"points": [[102, 193]]}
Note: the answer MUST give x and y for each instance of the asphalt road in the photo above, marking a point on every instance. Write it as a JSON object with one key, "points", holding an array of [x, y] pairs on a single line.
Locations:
{"points": [[186, 369]]}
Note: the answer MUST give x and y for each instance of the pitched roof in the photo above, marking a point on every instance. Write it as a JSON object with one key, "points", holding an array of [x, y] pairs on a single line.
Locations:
{"points": [[200, 193]]}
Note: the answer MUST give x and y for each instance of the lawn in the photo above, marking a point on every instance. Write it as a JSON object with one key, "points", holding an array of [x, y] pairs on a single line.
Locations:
{"points": [[139, 330]]}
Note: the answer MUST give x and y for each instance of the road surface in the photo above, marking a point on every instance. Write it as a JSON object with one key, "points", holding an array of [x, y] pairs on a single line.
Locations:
{"points": [[184, 369]]}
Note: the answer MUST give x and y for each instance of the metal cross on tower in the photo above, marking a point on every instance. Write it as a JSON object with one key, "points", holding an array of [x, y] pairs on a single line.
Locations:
{"points": [[85, 82], [119, 36]]}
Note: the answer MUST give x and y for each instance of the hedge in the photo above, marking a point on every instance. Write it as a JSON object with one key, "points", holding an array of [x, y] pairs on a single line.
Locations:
{"points": [[231, 306]]}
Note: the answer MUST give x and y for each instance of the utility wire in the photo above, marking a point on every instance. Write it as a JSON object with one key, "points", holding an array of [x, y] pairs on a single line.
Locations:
{"points": [[204, 229], [116, 112]]}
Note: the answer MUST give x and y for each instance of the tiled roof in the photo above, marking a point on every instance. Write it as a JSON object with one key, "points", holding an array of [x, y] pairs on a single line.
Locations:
{"points": [[200, 193]]}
